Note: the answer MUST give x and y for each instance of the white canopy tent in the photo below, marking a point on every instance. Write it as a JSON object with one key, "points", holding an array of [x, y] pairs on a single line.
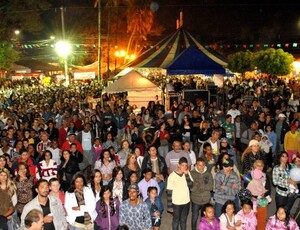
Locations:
{"points": [[139, 89]]}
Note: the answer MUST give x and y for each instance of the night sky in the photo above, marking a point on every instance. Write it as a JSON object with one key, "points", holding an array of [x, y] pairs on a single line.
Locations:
{"points": [[210, 21]]}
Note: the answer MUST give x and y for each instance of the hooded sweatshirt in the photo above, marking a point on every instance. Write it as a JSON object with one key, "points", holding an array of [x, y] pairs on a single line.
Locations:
{"points": [[203, 185]]}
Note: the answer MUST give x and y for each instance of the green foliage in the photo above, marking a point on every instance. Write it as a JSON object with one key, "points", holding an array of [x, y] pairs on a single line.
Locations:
{"points": [[274, 62], [241, 62], [7, 56], [22, 15]]}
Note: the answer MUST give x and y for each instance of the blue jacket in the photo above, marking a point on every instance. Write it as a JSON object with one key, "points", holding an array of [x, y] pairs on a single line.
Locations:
{"points": [[159, 205]]}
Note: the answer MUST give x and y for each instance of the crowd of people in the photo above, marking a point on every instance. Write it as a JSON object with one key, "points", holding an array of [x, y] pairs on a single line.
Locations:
{"points": [[66, 164]]}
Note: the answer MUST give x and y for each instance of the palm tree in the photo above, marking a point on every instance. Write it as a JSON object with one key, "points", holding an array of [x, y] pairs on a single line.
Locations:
{"points": [[139, 23]]}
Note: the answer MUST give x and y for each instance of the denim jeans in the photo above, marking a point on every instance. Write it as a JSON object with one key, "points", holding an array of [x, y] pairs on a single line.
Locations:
{"points": [[196, 208], [162, 185], [218, 209], [180, 214]]}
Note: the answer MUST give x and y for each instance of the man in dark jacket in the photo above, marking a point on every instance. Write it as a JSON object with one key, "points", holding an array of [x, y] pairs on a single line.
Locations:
{"points": [[281, 128]]}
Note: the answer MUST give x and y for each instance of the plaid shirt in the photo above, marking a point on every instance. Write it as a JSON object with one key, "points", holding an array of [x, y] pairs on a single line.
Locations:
{"points": [[280, 177]]}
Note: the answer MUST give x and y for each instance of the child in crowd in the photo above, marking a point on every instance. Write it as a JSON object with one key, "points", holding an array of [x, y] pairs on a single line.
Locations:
{"points": [[155, 206], [96, 149], [281, 220], [132, 179], [146, 182], [265, 144], [208, 220], [247, 216], [229, 219], [54, 187], [257, 189]]}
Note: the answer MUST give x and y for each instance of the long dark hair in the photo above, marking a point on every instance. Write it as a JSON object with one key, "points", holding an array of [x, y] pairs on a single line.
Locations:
{"points": [[278, 159], [115, 172], [103, 204], [92, 177], [228, 202], [72, 186], [102, 155], [287, 214]]}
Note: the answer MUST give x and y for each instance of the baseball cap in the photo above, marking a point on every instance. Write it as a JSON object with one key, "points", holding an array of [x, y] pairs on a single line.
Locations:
{"points": [[253, 142], [281, 115], [227, 163], [133, 186]]}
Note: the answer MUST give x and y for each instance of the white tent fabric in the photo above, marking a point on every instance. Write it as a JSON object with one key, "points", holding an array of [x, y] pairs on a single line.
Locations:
{"points": [[139, 89], [132, 81]]}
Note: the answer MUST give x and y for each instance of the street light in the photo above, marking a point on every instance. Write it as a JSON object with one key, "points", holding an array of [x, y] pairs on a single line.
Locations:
{"points": [[119, 54], [63, 49]]}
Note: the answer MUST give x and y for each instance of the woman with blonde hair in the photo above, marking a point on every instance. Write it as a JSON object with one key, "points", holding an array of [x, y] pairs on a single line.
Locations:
{"points": [[131, 165], [204, 131], [250, 155], [7, 194]]}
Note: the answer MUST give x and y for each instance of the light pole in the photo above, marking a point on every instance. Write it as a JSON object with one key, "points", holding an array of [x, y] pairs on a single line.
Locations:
{"points": [[63, 49], [119, 54]]}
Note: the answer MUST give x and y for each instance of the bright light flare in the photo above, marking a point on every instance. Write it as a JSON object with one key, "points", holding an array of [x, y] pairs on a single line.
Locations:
{"points": [[63, 48]]}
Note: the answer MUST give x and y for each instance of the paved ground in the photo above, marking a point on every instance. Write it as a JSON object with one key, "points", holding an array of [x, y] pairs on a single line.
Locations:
{"points": [[167, 218]]}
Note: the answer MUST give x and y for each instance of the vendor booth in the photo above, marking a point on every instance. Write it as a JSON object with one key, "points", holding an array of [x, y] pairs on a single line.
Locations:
{"points": [[139, 90]]}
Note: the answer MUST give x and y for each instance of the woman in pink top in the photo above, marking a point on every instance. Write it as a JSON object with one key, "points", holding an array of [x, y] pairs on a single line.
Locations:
{"points": [[247, 216]]}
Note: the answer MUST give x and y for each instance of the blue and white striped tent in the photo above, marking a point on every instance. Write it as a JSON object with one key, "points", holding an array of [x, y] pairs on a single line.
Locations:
{"points": [[166, 51]]}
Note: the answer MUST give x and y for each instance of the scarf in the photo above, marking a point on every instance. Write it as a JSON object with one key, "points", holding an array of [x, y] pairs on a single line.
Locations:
{"points": [[80, 200]]}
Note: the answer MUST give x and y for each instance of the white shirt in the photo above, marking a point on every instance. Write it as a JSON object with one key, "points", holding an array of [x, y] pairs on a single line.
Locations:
{"points": [[86, 141]]}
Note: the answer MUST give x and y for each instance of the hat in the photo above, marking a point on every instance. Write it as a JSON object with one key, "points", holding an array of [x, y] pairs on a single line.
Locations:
{"points": [[253, 142], [227, 163], [293, 125], [71, 133], [257, 174], [281, 115], [133, 186], [296, 157]]}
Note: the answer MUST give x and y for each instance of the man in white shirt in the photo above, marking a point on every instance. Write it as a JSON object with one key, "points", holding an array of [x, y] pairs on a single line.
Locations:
{"points": [[233, 112]]}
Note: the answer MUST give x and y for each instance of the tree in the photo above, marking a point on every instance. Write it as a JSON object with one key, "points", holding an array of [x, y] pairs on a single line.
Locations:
{"points": [[241, 62], [21, 15], [7, 56], [274, 62]]}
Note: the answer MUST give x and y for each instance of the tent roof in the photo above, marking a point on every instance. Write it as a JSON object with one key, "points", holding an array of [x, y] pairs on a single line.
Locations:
{"points": [[36, 65], [164, 52], [132, 81], [194, 61]]}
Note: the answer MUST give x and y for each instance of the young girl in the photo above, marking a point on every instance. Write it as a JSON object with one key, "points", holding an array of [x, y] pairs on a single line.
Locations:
{"points": [[155, 206], [257, 189], [131, 179], [247, 216], [208, 220], [107, 209], [228, 219], [281, 221]]}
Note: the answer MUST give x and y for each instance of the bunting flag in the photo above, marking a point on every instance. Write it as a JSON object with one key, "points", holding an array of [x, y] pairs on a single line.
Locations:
{"points": [[42, 45]]}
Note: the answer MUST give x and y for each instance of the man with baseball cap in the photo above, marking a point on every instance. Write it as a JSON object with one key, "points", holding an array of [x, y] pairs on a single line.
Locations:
{"points": [[134, 212]]}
